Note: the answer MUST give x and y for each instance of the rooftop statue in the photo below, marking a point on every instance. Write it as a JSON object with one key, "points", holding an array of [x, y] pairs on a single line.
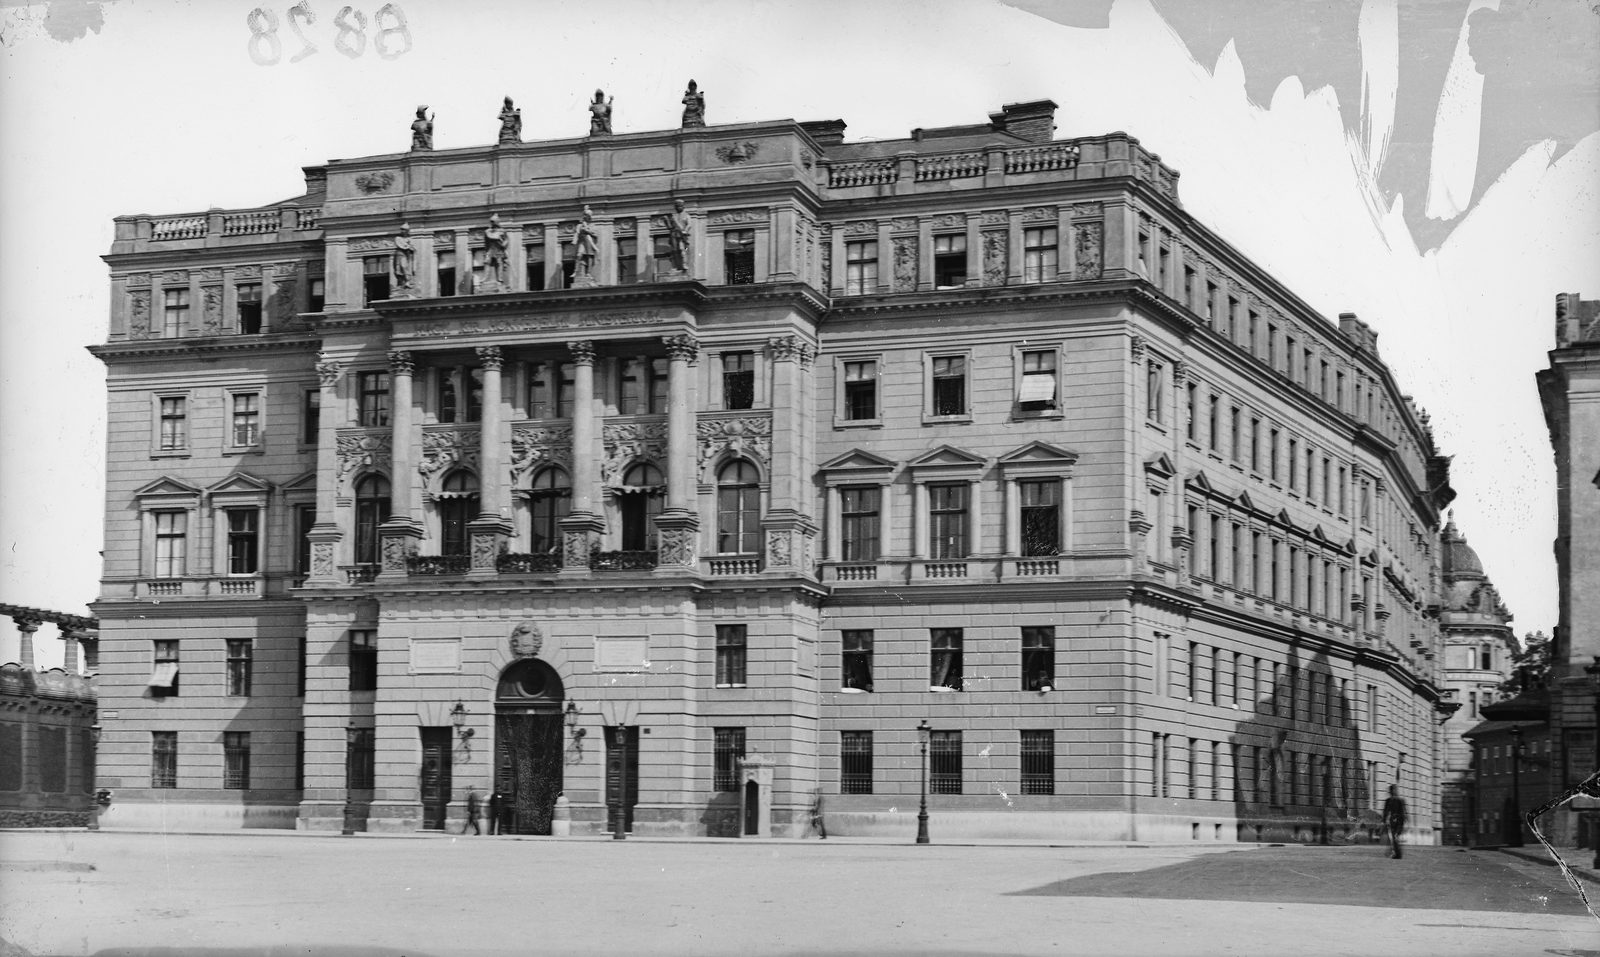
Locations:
{"points": [[694, 106], [404, 262], [586, 247], [422, 130], [600, 113], [495, 241], [510, 123]]}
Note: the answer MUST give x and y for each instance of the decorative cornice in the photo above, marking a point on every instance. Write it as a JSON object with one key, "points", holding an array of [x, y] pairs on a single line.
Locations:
{"points": [[203, 345]]}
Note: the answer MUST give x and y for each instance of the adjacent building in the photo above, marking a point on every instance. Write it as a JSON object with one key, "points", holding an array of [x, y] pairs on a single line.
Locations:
{"points": [[685, 473], [47, 725]]}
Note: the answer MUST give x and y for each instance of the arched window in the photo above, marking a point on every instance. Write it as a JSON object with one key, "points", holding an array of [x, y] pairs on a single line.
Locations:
{"points": [[458, 505], [372, 510], [549, 500], [641, 501], [738, 509]]}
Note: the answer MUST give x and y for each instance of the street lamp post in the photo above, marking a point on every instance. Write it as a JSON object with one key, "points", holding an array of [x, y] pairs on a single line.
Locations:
{"points": [[1593, 671], [924, 732], [349, 828], [1516, 789], [93, 764]]}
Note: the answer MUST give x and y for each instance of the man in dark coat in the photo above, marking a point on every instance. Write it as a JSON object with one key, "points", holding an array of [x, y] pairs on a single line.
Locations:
{"points": [[1394, 819], [473, 803]]}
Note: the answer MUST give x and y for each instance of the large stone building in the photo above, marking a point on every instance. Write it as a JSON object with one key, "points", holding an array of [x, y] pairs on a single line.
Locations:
{"points": [[1479, 649], [977, 427], [1570, 393]]}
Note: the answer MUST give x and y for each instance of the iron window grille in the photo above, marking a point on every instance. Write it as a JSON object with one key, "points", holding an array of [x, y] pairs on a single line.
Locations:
{"points": [[950, 385], [1039, 254], [739, 257], [950, 261], [861, 269], [858, 521], [732, 642], [1038, 381], [1038, 658], [861, 391], [728, 751], [310, 416], [738, 380], [1041, 516], [359, 759], [244, 536], [374, 279], [171, 544], [363, 660], [248, 307], [174, 423], [163, 759], [534, 253], [175, 314], [164, 672], [374, 388], [857, 663], [246, 419], [1038, 753], [239, 667], [945, 658], [944, 762], [947, 525], [236, 760], [855, 762], [738, 509]]}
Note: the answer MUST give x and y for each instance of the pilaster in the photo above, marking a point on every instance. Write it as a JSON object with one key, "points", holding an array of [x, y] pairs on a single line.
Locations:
{"points": [[324, 535]]}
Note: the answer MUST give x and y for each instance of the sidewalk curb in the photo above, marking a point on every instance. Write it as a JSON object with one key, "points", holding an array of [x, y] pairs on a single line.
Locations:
{"points": [[1539, 856]]}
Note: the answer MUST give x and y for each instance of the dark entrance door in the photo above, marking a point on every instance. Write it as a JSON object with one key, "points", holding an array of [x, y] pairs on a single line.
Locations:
{"points": [[528, 769], [616, 755], [752, 808], [435, 777]]}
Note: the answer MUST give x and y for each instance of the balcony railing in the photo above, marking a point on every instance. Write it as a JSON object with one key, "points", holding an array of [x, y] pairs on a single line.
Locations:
{"points": [[184, 227], [734, 566], [622, 561], [857, 573], [952, 166], [163, 589], [1041, 159], [517, 563], [438, 564], [362, 573], [945, 570], [236, 586], [875, 173], [1038, 566], [306, 218], [251, 223]]}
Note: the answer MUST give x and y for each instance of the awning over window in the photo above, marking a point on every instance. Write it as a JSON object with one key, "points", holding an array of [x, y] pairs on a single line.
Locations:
{"points": [[165, 674], [444, 495], [1038, 388]]}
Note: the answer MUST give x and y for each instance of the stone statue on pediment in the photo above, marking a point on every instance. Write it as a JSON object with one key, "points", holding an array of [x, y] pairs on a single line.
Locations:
{"points": [[586, 249], [600, 114], [403, 263], [510, 123], [495, 261], [422, 130], [694, 106]]}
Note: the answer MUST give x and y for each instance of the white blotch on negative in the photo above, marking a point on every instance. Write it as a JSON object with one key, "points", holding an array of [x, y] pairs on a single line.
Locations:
{"points": [[1453, 166]]}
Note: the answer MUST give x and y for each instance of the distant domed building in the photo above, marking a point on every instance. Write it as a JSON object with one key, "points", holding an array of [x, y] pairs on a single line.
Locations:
{"points": [[1479, 648]]}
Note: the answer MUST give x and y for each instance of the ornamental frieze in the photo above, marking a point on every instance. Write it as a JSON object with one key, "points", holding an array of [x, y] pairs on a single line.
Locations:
{"points": [[749, 436], [211, 275], [1088, 209], [628, 443], [995, 217], [539, 446], [725, 217], [861, 227], [363, 450], [247, 272], [363, 244], [175, 277], [445, 448], [950, 221], [471, 327], [138, 279], [1039, 214], [283, 270], [904, 224]]}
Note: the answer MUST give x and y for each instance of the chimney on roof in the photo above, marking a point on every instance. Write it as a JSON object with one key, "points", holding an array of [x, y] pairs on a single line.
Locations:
{"points": [[316, 178], [825, 132], [1034, 121], [1358, 332]]}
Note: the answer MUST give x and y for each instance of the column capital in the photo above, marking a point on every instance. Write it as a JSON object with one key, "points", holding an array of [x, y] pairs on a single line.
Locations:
{"points": [[582, 351], [791, 348], [402, 363], [491, 357], [27, 625], [682, 347], [329, 371]]}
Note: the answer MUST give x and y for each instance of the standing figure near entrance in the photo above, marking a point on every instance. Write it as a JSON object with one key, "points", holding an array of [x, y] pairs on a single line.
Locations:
{"points": [[473, 805], [1394, 818]]}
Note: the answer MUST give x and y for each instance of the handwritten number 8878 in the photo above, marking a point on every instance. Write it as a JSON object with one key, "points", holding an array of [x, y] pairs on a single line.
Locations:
{"points": [[266, 49]]}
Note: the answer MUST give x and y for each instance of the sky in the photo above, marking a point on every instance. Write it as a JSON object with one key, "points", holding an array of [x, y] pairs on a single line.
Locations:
{"points": [[1429, 165]]}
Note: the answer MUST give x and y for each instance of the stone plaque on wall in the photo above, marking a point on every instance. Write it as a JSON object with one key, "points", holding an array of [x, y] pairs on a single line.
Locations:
{"points": [[435, 656], [621, 653]]}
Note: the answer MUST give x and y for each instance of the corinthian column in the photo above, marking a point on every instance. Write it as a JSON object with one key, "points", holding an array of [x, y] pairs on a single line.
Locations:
{"points": [[678, 527], [489, 531], [402, 532], [579, 528], [324, 534]]}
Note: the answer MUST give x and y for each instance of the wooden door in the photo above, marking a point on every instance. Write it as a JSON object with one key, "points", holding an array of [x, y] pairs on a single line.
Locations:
{"points": [[435, 777], [528, 762], [619, 759]]}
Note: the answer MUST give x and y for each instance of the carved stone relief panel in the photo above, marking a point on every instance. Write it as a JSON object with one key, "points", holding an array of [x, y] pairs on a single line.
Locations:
{"points": [[445, 448], [283, 305], [139, 314], [363, 450], [861, 227], [905, 224], [995, 217], [371, 244], [322, 559], [994, 257], [748, 436], [730, 217], [905, 264], [247, 272], [779, 551], [827, 261], [211, 310], [483, 549], [176, 277], [211, 275], [1087, 239], [394, 554], [138, 279], [1039, 214], [538, 446], [627, 443], [676, 546]]}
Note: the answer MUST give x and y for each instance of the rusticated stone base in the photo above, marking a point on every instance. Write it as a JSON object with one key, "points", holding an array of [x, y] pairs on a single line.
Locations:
{"points": [[43, 818]]}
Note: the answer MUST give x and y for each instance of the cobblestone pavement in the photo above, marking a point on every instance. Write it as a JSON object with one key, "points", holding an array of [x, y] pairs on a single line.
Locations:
{"points": [[294, 894]]}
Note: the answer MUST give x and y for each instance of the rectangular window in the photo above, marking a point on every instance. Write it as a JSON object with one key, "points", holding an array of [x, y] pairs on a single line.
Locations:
{"points": [[1236, 556], [374, 387], [246, 419], [949, 385], [1210, 303], [305, 516], [1294, 462], [374, 279], [947, 521], [239, 667], [738, 380], [1214, 425], [1214, 547], [317, 296], [1191, 290], [1255, 332], [1038, 381], [310, 416], [1234, 434], [175, 314], [1305, 372], [1233, 321], [236, 760], [739, 257], [950, 261], [446, 261], [1038, 658], [731, 651], [627, 260], [244, 539], [1272, 346], [944, 762], [1154, 386], [550, 390], [174, 423], [858, 523], [535, 266], [1192, 426], [1344, 491], [163, 759], [945, 659], [363, 660], [726, 755], [855, 762], [359, 755], [860, 269], [661, 253], [1038, 754], [171, 544], [1255, 563], [1327, 482], [857, 663], [1255, 445], [1311, 473], [1039, 256], [1144, 252], [1164, 266], [861, 391], [1040, 514], [248, 307], [1272, 454]]}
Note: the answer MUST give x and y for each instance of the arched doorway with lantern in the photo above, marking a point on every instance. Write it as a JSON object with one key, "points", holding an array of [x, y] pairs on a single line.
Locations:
{"points": [[528, 745]]}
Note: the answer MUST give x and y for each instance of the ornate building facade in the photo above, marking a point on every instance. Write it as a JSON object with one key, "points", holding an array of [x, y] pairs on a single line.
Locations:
{"points": [[686, 472]]}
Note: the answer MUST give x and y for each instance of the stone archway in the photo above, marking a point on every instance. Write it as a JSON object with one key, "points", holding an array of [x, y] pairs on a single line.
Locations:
{"points": [[528, 746]]}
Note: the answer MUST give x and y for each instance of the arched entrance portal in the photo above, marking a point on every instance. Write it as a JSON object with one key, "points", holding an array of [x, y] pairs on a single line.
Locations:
{"points": [[528, 746]]}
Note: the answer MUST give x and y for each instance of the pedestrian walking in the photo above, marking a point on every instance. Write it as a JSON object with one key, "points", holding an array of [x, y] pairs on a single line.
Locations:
{"points": [[1394, 818], [497, 807], [473, 803]]}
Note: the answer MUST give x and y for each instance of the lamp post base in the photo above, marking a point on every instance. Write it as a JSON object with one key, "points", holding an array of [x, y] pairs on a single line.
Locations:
{"points": [[922, 827]]}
